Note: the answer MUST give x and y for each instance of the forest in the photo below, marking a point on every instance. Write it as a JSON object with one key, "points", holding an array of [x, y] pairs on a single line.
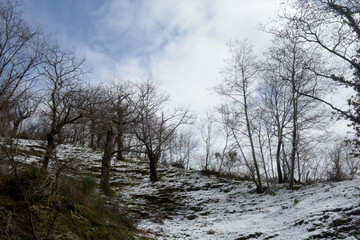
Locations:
{"points": [[280, 120]]}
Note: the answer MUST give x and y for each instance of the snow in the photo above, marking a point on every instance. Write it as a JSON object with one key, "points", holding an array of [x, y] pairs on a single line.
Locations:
{"points": [[239, 213], [190, 205]]}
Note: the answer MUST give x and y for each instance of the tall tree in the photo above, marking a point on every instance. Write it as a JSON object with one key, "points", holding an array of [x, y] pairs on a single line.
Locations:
{"points": [[277, 107], [116, 116], [62, 75], [207, 131], [290, 63], [334, 27], [20, 52], [238, 86], [154, 125]]}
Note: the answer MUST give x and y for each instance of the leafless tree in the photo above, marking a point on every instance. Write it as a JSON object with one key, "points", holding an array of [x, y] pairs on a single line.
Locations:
{"points": [[116, 118], [276, 106], [20, 53], [225, 132], [342, 164], [25, 108], [62, 75], [333, 27], [238, 86], [121, 98], [290, 63], [154, 126], [106, 161], [207, 131], [183, 147]]}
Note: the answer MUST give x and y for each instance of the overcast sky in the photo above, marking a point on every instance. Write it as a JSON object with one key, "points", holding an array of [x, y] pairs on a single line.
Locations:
{"points": [[181, 42]]}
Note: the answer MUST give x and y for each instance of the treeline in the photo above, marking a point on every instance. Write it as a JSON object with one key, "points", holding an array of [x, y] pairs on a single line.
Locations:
{"points": [[272, 126], [44, 94], [273, 117]]}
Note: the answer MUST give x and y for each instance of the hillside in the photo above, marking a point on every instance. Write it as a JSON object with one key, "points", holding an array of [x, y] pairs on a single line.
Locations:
{"points": [[193, 205]]}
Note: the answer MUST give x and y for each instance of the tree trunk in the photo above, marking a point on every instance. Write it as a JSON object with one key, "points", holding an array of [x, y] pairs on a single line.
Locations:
{"points": [[259, 187], [294, 140], [49, 149], [285, 164], [106, 162], [92, 140], [120, 136], [278, 163], [153, 159], [120, 146], [16, 127]]}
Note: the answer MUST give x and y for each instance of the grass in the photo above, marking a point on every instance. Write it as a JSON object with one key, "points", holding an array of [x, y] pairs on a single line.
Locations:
{"points": [[70, 208]]}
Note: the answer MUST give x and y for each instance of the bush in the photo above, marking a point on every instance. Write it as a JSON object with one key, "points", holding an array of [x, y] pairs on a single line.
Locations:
{"points": [[87, 184], [33, 184], [178, 164]]}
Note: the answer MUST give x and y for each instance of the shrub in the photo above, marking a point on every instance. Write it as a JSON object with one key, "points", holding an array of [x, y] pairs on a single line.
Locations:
{"points": [[87, 184]]}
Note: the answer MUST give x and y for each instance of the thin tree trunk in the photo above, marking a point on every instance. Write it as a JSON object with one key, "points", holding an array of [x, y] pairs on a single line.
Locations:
{"points": [[92, 140], [294, 137], [120, 136], [299, 168], [49, 149], [263, 161], [278, 163], [120, 147], [248, 126], [286, 168], [106, 162]]}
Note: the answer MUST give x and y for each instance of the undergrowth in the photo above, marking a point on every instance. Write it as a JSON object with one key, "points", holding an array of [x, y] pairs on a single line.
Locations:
{"points": [[39, 205]]}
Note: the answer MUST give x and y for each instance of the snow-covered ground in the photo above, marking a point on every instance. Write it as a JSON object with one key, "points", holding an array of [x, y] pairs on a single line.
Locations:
{"points": [[231, 212], [190, 205]]}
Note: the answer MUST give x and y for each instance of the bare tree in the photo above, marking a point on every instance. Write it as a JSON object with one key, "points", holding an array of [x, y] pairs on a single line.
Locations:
{"points": [[118, 113], [289, 69], [20, 53], [106, 161], [226, 133], [207, 131], [62, 75], [154, 126], [121, 97], [333, 27], [239, 78], [25, 108], [183, 147], [276, 108]]}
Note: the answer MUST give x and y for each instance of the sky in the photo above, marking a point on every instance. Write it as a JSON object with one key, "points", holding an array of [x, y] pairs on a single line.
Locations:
{"points": [[182, 43]]}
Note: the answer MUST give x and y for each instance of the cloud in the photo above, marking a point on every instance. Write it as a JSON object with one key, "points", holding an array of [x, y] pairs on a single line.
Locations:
{"points": [[183, 43]]}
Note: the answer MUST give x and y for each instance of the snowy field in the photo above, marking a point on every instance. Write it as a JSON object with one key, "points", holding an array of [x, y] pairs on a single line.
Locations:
{"points": [[190, 205]]}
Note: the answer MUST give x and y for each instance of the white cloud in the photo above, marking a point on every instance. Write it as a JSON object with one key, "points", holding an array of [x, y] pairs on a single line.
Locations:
{"points": [[180, 42]]}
